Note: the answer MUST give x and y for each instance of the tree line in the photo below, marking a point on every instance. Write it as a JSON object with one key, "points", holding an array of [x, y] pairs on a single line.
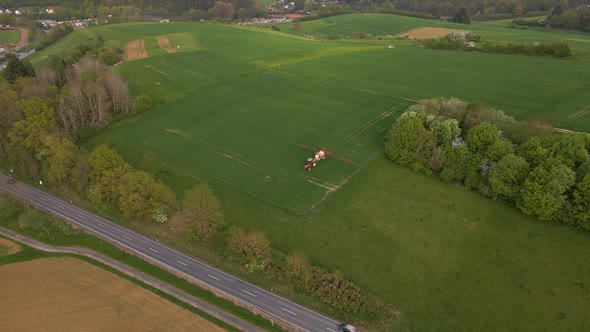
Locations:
{"points": [[572, 19], [528, 165], [463, 41]]}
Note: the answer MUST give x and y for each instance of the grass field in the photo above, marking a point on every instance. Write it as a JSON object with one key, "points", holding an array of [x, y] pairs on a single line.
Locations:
{"points": [[66, 294], [236, 108], [235, 104], [9, 36]]}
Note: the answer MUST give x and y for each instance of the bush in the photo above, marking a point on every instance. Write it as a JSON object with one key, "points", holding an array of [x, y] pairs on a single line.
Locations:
{"points": [[143, 103]]}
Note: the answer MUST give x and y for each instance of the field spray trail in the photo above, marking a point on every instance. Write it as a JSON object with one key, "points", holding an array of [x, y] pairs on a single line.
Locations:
{"points": [[355, 133], [579, 114], [277, 172]]}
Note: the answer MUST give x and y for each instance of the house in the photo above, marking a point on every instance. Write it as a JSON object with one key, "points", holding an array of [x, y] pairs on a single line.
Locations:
{"points": [[8, 11], [3, 50], [17, 12], [49, 11]]}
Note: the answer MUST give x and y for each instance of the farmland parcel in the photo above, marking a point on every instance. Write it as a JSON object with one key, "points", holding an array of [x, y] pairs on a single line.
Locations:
{"points": [[66, 294]]}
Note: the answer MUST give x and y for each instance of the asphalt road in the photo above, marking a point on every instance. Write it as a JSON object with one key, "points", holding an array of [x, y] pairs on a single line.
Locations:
{"points": [[281, 309], [156, 283]]}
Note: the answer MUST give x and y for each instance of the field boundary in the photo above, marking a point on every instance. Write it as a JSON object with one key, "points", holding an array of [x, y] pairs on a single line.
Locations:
{"points": [[138, 275]]}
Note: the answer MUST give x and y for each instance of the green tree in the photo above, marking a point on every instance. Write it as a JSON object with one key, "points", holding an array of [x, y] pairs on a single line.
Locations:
{"points": [[455, 167], [136, 194], [533, 151], [507, 177], [62, 157], [581, 203], [481, 137], [569, 149], [462, 17], [104, 159], [542, 194], [39, 120], [16, 68], [499, 149], [409, 143], [143, 103], [201, 203]]}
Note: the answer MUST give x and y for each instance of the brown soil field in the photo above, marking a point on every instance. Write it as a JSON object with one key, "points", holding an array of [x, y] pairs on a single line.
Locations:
{"points": [[67, 294], [165, 44], [135, 50], [8, 247], [427, 32]]}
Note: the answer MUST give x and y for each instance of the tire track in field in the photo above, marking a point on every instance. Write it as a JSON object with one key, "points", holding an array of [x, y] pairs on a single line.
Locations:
{"points": [[355, 133]]}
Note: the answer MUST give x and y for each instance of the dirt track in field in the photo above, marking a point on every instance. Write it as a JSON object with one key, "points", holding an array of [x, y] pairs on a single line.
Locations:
{"points": [[8, 247], [67, 294], [427, 32], [165, 44], [135, 50]]}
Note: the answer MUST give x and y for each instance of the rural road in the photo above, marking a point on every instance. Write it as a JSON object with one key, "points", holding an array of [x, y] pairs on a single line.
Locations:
{"points": [[277, 308], [158, 284]]}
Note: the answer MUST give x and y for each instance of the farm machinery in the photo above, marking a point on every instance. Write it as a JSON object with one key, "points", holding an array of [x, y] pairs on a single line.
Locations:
{"points": [[312, 162]]}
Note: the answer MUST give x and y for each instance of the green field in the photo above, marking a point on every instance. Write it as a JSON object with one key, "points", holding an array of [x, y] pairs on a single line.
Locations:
{"points": [[9, 36], [235, 105]]}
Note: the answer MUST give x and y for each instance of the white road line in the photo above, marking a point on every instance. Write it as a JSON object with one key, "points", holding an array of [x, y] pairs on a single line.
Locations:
{"points": [[329, 329], [213, 277], [154, 250], [289, 311], [182, 263], [61, 207], [80, 216], [100, 226], [245, 291], [128, 238], [43, 198]]}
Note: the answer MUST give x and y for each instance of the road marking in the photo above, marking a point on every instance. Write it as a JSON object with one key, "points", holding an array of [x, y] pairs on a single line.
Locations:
{"points": [[43, 198], [213, 277], [100, 226], [182, 263], [289, 311], [329, 329], [154, 250], [80, 216], [245, 291], [127, 237], [61, 207]]}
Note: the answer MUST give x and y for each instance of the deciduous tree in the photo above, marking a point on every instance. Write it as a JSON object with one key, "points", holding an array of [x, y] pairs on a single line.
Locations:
{"points": [[201, 203], [507, 176]]}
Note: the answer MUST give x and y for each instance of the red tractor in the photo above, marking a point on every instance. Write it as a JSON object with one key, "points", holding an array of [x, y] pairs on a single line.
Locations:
{"points": [[312, 162]]}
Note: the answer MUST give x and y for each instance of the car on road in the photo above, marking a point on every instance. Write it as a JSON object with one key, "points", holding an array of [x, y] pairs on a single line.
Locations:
{"points": [[345, 327], [10, 180]]}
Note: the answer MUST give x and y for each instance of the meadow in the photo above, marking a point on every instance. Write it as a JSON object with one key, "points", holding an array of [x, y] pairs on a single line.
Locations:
{"points": [[235, 102], [9, 36]]}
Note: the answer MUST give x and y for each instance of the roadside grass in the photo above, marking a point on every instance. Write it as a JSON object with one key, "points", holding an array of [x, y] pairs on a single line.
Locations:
{"points": [[9, 36], [52, 231]]}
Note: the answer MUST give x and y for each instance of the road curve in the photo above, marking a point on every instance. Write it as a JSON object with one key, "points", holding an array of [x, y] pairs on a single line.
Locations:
{"points": [[149, 280], [279, 309]]}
